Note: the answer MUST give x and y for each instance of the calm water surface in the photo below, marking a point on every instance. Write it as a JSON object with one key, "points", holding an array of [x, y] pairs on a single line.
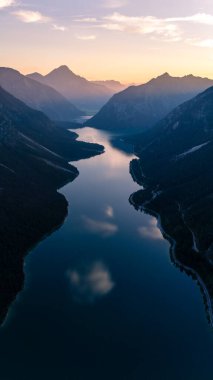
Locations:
{"points": [[102, 299]]}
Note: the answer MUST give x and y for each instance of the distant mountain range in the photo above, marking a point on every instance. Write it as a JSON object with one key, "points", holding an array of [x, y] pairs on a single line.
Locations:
{"points": [[85, 94], [113, 85], [175, 170], [34, 156], [140, 107], [38, 96]]}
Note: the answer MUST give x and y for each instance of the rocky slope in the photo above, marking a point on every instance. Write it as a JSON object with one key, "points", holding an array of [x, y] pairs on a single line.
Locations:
{"points": [[176, 173], [34, 156], [140, 107], [83, 93], [38, 96]]}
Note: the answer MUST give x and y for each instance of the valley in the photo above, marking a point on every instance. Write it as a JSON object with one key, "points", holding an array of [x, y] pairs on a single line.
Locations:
{"points": [[86, 289]]}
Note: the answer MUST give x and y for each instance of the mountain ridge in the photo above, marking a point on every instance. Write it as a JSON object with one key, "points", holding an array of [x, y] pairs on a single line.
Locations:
{"points": [[140, 107], [38, 96], [174, 168], [77, 89], [34, 163]]}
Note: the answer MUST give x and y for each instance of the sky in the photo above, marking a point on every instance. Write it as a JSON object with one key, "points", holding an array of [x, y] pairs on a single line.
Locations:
{"points": [[127, 40]]}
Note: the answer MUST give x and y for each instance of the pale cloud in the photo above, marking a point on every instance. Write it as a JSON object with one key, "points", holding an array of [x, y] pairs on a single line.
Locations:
{"points": [[151, 231], [90, 37], [115, 27], [151, 24], [167, 29], [31, 16], [199, 18], [142, 25], [206, 43], [113, 4], [6, 3], [90, 283], [59, 28], [99, 227], [86, 19]]}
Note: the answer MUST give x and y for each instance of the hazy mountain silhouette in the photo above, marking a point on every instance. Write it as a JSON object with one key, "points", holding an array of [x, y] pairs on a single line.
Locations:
{"points": [[176, 173], [113, 85], [38, 96], [34, 158], [141, 107], [83, 93]]}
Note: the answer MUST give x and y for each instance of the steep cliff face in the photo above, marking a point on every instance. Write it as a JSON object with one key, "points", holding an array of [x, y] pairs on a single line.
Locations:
{"points": [[38, 96], [140, 107], [176, 172], [82, 92]]}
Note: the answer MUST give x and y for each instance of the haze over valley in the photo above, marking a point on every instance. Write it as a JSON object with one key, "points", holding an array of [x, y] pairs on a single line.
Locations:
{"points": [[83, 93]]}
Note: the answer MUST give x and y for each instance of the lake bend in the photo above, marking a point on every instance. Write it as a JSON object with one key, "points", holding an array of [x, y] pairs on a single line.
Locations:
{"points": [[102, 299]]}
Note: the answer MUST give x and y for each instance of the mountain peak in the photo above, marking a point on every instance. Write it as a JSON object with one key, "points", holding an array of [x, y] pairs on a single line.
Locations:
{"points": [[62, 71], [9, 70], [161, 79], [31, 90], [189, 76], [63, 68], [161, 94], [164, 75]]}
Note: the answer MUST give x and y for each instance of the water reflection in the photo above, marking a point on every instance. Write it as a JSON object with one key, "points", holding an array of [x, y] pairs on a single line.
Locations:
{"points": [[100, 305], [151, 231], [90, 283], [109, 212], [182, 228], [99, 227], [114, 162]]}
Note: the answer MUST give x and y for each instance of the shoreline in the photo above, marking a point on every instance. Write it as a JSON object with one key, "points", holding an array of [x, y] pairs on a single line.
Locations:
{"points": [[63, 204], [174, 258]]}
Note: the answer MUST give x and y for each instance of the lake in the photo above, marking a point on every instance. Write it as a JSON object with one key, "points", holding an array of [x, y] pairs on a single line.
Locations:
{"points": [[102, 299]]}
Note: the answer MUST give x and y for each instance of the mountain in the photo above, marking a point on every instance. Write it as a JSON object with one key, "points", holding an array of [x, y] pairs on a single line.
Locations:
{"points": [[34, 156], [38, 96], [83, 93], [140, 107], [175, 170], [113, 85], [36, 76]]}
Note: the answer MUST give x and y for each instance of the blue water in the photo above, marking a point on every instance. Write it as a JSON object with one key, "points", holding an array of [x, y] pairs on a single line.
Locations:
{"points": [[102, 299]]}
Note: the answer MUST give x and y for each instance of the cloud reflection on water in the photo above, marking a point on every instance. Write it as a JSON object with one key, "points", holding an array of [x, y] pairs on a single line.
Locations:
{"points": [[114, 162], [151, 231], [91, 283], [99, 227], [109, 212]]}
